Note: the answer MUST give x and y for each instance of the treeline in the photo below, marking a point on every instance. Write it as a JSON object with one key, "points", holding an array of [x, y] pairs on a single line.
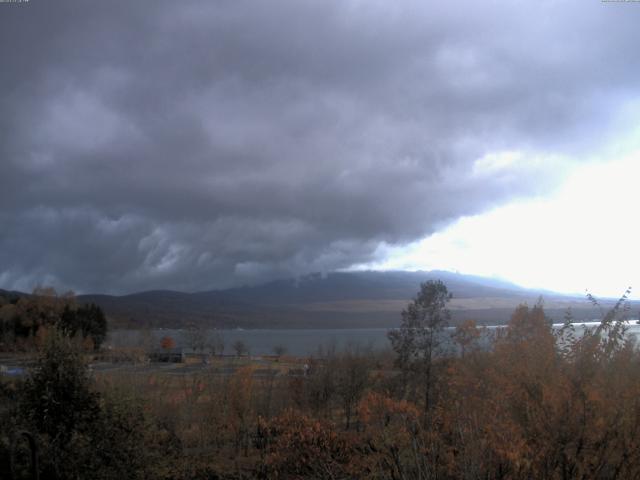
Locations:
{"points": [[528, 401], [26, 319]]}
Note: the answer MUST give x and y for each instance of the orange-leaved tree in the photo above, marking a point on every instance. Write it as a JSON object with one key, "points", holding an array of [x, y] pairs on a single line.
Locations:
{"points": [[167, 343]]}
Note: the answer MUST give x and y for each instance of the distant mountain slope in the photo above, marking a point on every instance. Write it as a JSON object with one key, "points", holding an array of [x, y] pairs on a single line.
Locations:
{"points": [[362, 285], [343, 299]]}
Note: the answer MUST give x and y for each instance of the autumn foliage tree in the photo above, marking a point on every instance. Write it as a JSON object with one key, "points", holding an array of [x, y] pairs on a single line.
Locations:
{"points": [[299, 446], [167, 343], [526, 400], [240, 406], [352, 379], [466, 336], [25, 319]]}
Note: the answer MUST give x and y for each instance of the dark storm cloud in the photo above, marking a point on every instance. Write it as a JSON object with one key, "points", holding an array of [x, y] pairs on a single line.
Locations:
{"points": [[198, 144]]}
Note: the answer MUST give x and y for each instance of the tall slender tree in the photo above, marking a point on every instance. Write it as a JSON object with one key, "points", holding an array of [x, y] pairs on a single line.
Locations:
{"points": [[420, 336]]}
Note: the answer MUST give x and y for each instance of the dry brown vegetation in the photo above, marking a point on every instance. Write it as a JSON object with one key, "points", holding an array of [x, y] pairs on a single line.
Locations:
{"points": [[535, 403]]}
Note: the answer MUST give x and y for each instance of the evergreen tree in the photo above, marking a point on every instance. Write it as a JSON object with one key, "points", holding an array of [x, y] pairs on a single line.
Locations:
{"points": [[420, 335]]}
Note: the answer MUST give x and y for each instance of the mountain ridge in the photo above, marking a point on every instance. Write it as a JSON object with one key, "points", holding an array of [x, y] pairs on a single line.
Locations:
{"points": [[332, 300], [357, 299]]}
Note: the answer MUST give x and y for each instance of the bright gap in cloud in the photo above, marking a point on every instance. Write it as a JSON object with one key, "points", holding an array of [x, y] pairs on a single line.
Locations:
{"points": [[582, 238]]}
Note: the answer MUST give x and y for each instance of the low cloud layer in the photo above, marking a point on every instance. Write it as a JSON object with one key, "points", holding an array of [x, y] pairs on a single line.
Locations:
{"points": [[195, 145]]}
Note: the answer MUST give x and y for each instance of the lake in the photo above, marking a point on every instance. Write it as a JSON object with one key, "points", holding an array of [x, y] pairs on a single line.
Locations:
{"points": [[300, 342]]}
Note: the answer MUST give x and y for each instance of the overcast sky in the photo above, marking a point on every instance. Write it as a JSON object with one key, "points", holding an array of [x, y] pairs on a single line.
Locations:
{"points": [[202, 144]]}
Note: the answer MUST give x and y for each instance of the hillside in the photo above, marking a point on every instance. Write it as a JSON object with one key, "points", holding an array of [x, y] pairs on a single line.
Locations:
{"points": [[335, 300]]}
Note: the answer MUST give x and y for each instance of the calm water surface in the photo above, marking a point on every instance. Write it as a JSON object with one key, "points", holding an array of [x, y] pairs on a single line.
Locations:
{"points": [[296, 341]]}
